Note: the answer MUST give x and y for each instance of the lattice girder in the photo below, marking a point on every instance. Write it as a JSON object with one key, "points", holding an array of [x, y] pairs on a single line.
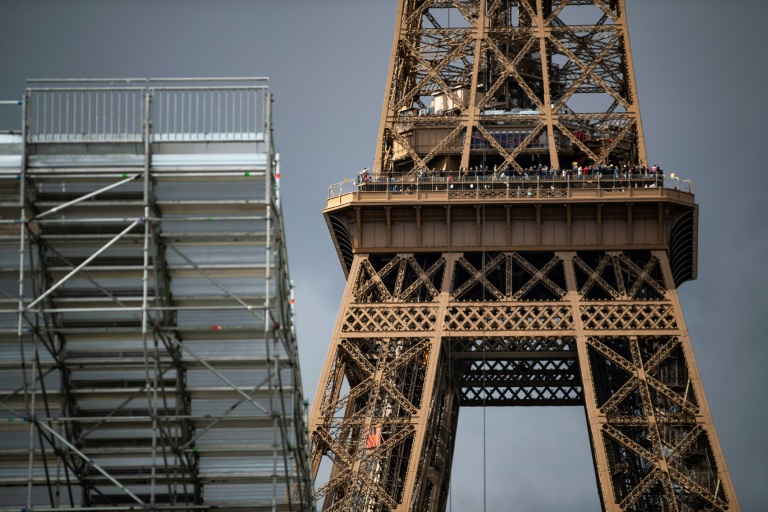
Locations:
{"points": [[643, 399], [626, 360], [532, 306], [461, 68]]}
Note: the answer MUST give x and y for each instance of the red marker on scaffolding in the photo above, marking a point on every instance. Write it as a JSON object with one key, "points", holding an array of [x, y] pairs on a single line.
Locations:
{"points": [[277, 178]]}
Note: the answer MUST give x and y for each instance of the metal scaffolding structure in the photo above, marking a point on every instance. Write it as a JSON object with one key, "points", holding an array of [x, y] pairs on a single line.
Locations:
{"points": [[148, 357], [523, 282]]}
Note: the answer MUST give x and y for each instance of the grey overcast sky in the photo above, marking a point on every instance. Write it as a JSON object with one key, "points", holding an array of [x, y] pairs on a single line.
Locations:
{"points": [[701, 73]]}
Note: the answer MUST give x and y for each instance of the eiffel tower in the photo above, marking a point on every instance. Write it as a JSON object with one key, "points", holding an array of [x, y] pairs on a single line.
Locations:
{"points": [[512, 247]]}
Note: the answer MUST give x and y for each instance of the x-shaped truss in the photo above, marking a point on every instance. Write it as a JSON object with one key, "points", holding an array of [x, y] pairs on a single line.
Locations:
{"points": [[370, 381], [374, 279], [642, 276], [433, 73], [667, 477], [595, 277], [537, 276], [369, 278], [479, 276], [633, 368], [661, 455], [356, 463], [588, 70], [423, 278]]}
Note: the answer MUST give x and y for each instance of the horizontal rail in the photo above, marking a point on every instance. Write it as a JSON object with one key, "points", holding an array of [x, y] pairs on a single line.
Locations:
{"points": [[514, 186], [83, 80], [207, 109], [145, 80], [223, 79], [82, 89]]}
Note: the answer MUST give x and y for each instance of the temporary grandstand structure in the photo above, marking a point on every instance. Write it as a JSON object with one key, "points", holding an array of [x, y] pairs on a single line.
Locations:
{"points": [[148, 357]]}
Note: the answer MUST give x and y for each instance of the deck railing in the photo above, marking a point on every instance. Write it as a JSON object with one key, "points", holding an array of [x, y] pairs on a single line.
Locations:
{"points": [[61, 111], [518, 187], [85, 114]]}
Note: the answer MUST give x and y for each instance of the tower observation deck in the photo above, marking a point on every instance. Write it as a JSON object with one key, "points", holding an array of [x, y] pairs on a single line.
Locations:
{"points": [[148, 359], [512, 247]]}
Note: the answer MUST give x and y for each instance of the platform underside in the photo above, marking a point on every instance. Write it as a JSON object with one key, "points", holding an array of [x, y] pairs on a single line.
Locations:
{"points": [[519, 371]]}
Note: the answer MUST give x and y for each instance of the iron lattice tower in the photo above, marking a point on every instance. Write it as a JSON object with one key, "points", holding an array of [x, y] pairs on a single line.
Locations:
{"points": [[148, 358], [477, 279]]}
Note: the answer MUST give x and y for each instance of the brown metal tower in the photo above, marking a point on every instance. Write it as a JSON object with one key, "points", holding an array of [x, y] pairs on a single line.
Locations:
{"points": [[511, 247]]}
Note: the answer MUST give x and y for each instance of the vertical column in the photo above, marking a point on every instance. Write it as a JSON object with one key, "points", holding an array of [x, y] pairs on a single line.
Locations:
{"points": [[29, 388], [634, 102], [331, 379], [444, 455], [381, 393], [386, 110], [595, 419], [479, 33], [418, 466], [150, 368], [547, 111]]}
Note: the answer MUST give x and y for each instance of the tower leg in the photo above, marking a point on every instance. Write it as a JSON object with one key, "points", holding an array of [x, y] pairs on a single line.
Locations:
{"points": [[411, 346], [653, 439], [386, 408]]}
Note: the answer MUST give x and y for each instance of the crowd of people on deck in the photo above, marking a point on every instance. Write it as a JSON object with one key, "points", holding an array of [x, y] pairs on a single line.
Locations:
{"points": [[541, 171]]}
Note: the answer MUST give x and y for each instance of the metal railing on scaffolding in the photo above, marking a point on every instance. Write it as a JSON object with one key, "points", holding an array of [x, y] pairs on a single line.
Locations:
{"points": [[117, 110]]}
